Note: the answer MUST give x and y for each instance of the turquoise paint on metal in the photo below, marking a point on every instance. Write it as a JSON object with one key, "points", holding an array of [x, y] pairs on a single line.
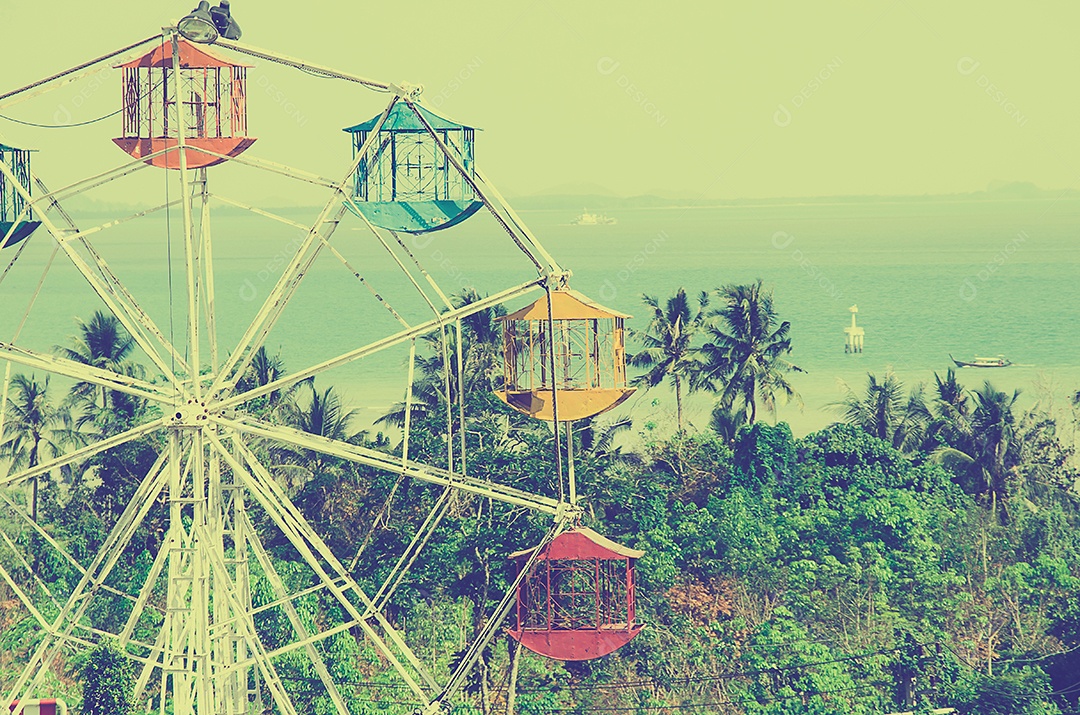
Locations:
{"points": [[415, 216], [407, 183]]}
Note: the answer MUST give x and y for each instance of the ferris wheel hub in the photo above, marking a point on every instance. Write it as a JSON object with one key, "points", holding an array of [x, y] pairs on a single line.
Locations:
{"points": [[194, 414]]}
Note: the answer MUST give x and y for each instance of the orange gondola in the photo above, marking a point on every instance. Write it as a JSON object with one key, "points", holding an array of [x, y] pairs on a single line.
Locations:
{"points": [[212, 107], [584, 365]]}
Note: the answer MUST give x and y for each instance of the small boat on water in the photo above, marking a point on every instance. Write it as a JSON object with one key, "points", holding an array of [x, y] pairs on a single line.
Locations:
{"points": [[999, 361], [591, 219]]}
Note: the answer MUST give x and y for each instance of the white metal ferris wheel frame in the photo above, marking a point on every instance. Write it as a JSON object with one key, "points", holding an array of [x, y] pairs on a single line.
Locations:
{"points": [[207, 652]]}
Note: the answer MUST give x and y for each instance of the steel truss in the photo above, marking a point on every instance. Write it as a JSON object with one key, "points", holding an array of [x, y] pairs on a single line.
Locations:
{"points": [[207, 656]]}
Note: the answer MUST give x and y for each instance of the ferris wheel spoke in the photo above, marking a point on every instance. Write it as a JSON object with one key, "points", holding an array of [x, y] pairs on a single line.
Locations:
{"points": [[48, 538], [445, 318], [405, 271], [412, 551], [278, 587], [79, 234], [112, 282], [68, 76], [333, 249], [516, 220], [101, 289], [305, 255], [305, 66], [389, 463], [223, 580], [453, 158], [274, 168], [83, 452], [261, 328], [83, 185], [86, 373], [304, 539], [494, 623], [93, 578]]}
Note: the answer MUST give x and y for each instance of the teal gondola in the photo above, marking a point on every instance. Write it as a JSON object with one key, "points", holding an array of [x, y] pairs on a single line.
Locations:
{"points": [[14, 225], [406, 182]]}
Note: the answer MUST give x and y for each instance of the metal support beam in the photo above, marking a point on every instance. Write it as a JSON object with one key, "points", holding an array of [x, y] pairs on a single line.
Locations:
{"points": [[391, 464], [446, 318]]}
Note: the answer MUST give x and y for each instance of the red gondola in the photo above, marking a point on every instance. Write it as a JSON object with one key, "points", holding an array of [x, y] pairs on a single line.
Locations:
{"points": [[578, 601], [212, 107]]}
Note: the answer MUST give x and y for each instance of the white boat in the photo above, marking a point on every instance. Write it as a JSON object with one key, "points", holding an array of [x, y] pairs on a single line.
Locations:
{"points": [[591, 219], [999, 361]]}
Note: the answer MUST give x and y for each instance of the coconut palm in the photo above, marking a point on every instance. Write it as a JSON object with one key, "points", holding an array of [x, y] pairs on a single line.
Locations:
{"points": [[744, 357], [950, 423], [597, 438], [263, 370], [482, 343], [321, 413], [726, 423], [669, 350], [34, 430], [985, 447], [481, 356], [886, 413], [103, 342], [994, 425]]}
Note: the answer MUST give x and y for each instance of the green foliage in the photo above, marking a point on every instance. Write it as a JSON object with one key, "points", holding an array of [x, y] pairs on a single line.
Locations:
{"points": [[781, 576], [1023, 691], [108, 679]]}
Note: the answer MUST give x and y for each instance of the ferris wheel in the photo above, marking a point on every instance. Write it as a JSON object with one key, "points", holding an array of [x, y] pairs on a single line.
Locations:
{"points": [[184, 110]]}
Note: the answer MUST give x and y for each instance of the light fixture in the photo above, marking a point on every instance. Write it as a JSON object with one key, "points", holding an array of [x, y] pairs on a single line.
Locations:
{"points": [[206, 24], [199, 25], [224, 22]]}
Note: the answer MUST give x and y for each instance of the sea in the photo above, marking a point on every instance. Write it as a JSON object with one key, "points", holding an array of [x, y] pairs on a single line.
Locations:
{"points": [[978, 275]]}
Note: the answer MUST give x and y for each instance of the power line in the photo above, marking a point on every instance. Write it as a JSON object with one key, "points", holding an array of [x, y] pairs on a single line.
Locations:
{"points": [[62, 126]]}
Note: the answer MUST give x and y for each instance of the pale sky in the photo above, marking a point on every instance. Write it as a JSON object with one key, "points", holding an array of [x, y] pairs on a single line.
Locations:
{"points": [[711, 99]]}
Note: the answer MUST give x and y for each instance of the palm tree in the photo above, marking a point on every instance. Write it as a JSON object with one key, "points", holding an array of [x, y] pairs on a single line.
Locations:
{"points": [[986, 443], [34, 430], [103, 342], [726, 423], [322, 414], [951, 415], [669, 350], [482, 343], [744, 358], [481, 356], [263, 370], [994, 426], [885, 413], [598, 438]]}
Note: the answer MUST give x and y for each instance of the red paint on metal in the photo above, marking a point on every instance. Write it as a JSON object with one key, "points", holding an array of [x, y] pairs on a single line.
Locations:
{"points": [[578, 601], [228, 146], [575, 644], [582, 543], [190, 56], [37, 707]]}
